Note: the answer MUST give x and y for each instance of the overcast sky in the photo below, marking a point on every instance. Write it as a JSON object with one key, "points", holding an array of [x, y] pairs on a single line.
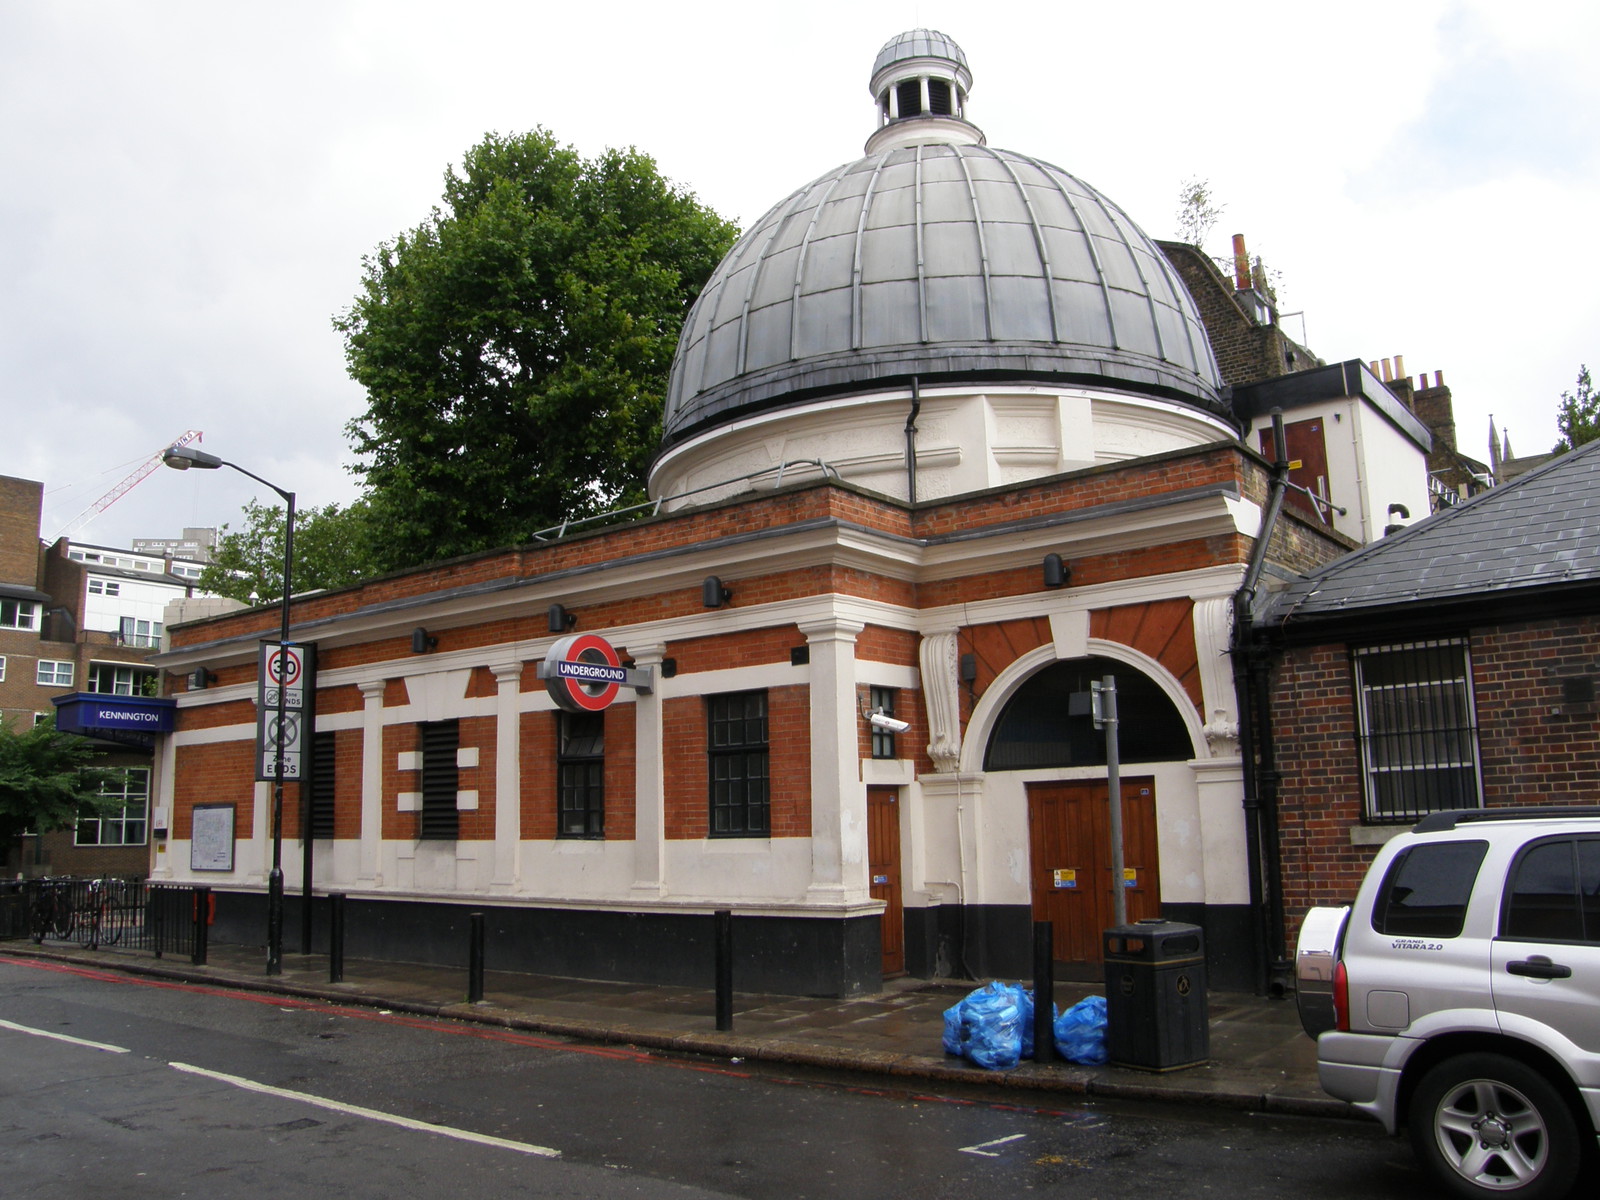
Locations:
{"points": [[189, 188]]}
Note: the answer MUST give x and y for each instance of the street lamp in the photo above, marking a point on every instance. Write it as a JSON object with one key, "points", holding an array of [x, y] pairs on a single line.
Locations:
{"points": [[181, 458]]}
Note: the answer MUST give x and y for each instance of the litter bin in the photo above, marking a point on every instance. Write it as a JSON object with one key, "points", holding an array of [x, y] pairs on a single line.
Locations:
{"points": [[1156, 995]]}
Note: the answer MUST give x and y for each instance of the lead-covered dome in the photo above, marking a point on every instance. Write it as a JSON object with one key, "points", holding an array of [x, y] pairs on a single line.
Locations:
{"points": [[938, 257]]}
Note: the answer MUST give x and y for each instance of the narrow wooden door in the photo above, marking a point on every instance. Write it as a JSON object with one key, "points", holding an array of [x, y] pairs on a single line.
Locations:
{"points": [[1069, 834], [883, 854]]}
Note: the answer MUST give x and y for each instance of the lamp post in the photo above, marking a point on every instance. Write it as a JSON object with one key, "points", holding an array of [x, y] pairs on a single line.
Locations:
{"points": [[181, 458]]}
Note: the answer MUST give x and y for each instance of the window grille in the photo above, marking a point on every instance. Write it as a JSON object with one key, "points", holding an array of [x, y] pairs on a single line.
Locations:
{"points": [[320, 779], [882, 700], [440, 821], [581, 771], [1418, 730], [737, 747]]}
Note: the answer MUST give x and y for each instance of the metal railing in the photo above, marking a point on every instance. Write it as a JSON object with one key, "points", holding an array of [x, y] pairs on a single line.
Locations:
{"points": [[131, 914]]}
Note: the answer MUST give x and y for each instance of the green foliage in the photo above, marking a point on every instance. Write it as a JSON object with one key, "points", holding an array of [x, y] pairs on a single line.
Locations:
{"points": [[1578, 418], [47, 780], [331, 550], [515, 346], [1198, 211]]}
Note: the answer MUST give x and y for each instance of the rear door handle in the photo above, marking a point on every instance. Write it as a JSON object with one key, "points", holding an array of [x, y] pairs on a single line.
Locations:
{"points": [[1539, 967]]}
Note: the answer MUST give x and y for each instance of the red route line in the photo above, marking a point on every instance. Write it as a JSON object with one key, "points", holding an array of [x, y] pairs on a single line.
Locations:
{"points": [[533, 1041]]}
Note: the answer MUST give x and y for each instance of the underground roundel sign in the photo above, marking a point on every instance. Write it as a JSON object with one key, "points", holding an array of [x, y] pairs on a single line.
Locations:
{"points": [[583, 673]]}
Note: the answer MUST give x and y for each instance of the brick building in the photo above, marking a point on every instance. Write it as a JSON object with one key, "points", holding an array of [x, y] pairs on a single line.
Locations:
{"points": [[75, 631], [945, 442], [1451, 665]]}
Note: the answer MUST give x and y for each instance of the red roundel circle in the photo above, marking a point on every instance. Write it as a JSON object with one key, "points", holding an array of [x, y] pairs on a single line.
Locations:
{"points": [[583, 673]]}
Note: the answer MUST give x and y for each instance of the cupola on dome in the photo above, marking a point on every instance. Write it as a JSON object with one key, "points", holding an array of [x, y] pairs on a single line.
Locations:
{"points": [[940, 258]]}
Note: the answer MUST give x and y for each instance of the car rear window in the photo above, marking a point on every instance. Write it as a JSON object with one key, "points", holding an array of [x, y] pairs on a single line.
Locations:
{"points": [[1426, 890]]}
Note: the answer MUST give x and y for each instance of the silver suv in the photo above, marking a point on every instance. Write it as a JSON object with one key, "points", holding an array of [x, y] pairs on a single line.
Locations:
{"points": [[1460, 996]]}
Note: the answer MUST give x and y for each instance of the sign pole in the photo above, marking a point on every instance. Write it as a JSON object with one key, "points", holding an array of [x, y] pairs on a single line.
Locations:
{"points": [[1108, 717]]}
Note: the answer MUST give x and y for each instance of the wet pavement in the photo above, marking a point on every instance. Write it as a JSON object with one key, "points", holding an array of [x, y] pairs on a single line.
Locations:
{"points": [[1259, 1058]]}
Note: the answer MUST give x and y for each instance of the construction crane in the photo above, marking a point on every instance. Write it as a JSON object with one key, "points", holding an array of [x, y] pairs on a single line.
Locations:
{"points": [[126, 486]]}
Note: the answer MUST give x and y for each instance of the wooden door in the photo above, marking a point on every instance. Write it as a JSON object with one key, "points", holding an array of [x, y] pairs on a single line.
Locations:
{"points": [[1069, 836], [883, 861]]}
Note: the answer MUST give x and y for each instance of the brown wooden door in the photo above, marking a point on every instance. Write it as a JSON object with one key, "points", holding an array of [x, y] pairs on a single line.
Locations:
{"points": [[883, 855], [1069, 835], [1308, 464]]}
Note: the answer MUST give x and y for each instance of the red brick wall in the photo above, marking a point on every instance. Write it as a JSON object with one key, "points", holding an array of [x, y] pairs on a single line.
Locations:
{"points": [[222, 772], [688, 802], [477, 825], [539, 798], [347, 745], [396, 824], [1534, 747]]}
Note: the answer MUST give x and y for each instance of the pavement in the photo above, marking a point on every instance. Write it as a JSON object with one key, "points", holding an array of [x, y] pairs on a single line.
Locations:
{"points": [[1260, 1060]]}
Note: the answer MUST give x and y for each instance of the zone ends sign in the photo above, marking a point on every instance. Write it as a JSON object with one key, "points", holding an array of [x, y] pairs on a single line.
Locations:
{"points": [[583, 673]]}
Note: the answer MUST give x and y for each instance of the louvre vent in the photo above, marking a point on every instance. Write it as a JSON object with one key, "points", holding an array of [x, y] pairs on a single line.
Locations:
{"points": [[439, 742]]}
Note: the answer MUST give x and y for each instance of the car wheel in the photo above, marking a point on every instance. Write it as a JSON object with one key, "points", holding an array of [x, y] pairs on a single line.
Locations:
{"points": [[1488, 1125]]}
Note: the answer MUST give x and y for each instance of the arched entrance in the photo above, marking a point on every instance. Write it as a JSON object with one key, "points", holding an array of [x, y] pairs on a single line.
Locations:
{"points": [[1069, 821]]}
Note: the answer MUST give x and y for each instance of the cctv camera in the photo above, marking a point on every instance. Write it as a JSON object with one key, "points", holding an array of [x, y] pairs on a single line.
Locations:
{"points": [[882, 720]]}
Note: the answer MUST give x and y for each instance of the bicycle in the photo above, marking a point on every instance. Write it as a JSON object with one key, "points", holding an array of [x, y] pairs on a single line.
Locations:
{"points": [[108, 912], [52, 913]]}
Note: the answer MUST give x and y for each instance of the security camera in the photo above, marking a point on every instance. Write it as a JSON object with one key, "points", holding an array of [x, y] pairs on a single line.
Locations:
{"points": [[882, 720]]}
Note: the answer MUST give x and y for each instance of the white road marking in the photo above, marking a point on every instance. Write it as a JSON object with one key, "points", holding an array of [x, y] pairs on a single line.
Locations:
{"points": [[982, 1148], [61, 1037], [372, 1114]]}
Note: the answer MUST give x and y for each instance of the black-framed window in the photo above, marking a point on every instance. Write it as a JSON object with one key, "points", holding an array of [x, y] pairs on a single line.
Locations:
{"points": [[882, 700], [440, 740], [581, 775], [1418, 730], [320, 778], [1041, 725], [736, 744]]}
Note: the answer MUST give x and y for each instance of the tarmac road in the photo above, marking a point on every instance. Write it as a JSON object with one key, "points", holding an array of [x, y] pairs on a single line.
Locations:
{"points": [[178, 1089]]}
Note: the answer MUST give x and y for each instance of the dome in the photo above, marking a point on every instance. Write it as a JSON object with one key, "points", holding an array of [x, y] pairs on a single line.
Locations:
{"points": [[918, 43], [943, 262], [939, 258]]}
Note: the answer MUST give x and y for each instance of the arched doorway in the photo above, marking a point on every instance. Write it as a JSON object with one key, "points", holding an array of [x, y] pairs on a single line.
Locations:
{"points": [[1068, 821]]}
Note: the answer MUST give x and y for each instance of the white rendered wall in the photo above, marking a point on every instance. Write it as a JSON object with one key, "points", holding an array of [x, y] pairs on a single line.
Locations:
{"points": [[967, 440]]}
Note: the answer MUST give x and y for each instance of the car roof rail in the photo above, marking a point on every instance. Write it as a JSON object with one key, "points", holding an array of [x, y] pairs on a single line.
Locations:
{"points": [[1441, 822]]}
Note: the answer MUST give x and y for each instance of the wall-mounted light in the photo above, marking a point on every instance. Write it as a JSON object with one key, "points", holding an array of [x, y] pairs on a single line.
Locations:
{"points": [[1056, 572], [714, 593], [200, 679], [560, 619], [422, 641]]}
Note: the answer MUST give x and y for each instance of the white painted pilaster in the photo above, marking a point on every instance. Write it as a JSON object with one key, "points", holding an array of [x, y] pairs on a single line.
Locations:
{"points": [[838, 797], [507, 777], [649, 819], [369, 874]]}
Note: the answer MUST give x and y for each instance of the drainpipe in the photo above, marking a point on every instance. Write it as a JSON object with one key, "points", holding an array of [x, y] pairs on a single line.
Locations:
{"points": [[1260, 781], [911, 442]]}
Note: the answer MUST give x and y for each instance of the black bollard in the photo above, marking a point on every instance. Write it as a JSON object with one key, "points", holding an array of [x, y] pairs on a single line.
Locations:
{"points": [[1044, 993], [202, 925], [336, 937], [475, 961], [723, 934]]}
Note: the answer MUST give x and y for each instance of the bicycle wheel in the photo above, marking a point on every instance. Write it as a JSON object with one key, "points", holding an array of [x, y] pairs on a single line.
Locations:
{"points": [[63, 918]]}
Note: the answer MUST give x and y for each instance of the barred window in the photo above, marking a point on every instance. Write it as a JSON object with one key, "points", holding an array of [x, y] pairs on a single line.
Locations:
{"points": [[1418, 728], [124, 827], [581, 775], [737, 746]]}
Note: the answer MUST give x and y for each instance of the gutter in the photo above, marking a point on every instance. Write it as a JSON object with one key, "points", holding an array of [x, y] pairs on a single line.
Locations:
{"points": [[1250, 684]]}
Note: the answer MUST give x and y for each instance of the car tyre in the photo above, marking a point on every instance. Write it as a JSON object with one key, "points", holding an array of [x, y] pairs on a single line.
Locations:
{"points": [[1488, 1125]]}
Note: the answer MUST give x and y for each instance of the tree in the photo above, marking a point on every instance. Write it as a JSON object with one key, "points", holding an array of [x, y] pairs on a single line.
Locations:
{"points": [[1578, 418], [47, 780], [332, 549], [1198, 211], [515, 346]]}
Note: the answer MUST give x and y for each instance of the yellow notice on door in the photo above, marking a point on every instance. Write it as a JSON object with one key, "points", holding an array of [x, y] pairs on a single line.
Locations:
{"points": [[1065, 877], [1130, 876]]}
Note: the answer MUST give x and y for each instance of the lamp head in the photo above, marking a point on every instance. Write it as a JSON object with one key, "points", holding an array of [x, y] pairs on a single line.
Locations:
{"points": [[181, 458]]}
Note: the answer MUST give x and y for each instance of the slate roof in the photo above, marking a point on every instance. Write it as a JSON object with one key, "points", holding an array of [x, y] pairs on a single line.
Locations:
{"points": [[1538, 533]]}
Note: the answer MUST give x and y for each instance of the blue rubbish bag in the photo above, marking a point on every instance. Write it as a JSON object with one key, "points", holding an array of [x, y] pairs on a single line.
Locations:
{"points": [[992, 1027], [1081, 1032]]}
